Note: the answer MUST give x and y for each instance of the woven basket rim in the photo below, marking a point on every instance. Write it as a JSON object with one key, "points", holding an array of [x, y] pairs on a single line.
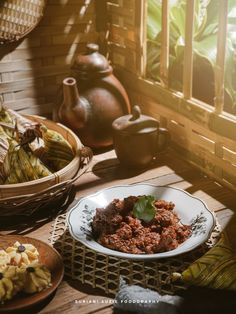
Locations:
{"points": [[26, 205]]}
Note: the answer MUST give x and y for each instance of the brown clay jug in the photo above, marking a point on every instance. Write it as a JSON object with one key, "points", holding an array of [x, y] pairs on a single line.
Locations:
{"points": [[93, 99]]}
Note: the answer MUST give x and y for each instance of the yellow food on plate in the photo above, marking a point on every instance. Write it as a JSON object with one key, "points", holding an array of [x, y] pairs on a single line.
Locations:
{"points": [[22, 254], [4, 259], [36, 278], [10, 282], [20, 270]]}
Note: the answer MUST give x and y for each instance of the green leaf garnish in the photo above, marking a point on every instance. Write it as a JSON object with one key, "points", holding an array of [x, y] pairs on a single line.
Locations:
{"points": [[144, 208]]}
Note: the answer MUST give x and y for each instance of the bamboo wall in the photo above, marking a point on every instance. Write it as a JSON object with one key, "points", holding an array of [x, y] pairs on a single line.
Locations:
{"points": [[32, 70], [204, 135], [124, 40]]}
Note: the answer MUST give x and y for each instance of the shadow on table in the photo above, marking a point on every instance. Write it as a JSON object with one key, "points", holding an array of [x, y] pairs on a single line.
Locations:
{"points": [[34, 309], [119, 171], [87, 289], [208, 301], [196, 300], [22, 225]]}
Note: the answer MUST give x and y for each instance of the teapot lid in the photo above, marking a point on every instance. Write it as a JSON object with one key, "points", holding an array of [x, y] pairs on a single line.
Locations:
{"points": [[135, 123], [92, 63]]}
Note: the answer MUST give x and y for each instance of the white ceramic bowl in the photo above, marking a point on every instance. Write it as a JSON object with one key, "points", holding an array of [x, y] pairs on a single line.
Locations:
{"points": [[190, 209]]}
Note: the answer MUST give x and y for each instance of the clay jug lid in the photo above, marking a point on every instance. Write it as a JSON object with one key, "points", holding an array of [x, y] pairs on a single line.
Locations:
{"points": [[92, 63], [135, 123]]}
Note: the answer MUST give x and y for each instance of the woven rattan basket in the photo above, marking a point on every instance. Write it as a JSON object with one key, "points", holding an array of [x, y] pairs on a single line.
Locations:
{"points": [[18, 18], [53, 190]]}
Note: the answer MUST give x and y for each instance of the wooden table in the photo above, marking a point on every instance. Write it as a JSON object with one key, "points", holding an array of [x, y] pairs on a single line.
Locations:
{"points": [[170, 169]]}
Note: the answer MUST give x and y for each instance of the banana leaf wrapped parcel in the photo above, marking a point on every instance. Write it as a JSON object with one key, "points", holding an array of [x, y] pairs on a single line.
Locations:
{"points": [[23, 166], [216, 269], [26, 130], [6, 119], [28, 149], [58, 153]]}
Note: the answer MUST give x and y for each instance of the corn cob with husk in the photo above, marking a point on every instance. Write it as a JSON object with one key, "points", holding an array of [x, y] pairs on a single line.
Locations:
{"points": [[58, 153], [216, 269]]}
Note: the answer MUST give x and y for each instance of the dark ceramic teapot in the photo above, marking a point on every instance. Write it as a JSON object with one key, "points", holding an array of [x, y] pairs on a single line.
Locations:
{"points": [[93, 99], [137, 139]]}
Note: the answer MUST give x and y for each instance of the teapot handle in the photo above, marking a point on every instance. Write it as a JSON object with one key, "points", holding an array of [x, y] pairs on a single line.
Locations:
{"points": [[136, 113], [163, 139]]}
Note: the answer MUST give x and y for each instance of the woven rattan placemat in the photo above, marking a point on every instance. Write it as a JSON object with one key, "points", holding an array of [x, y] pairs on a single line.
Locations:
{"points": [[103, 272]]}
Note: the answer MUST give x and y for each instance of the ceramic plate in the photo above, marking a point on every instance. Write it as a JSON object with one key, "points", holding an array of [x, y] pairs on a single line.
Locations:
{"points": [[190, 209], [47, 256]]}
